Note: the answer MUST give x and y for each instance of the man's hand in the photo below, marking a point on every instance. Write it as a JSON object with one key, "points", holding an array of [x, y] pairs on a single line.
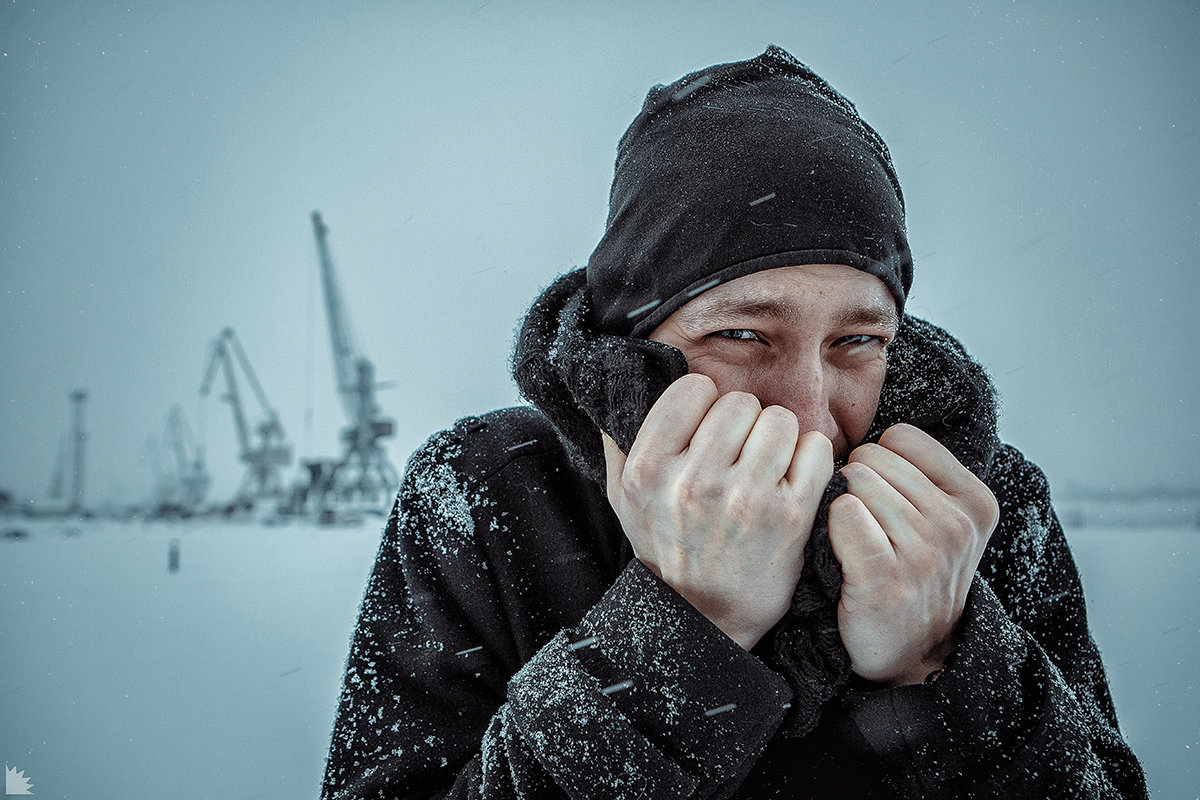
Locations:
{"points": [[909, 534], [717, 497]]}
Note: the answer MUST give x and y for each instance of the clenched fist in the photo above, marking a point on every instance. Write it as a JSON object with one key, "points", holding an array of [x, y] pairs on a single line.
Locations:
{"points": [[909, 533], [717, 496]]}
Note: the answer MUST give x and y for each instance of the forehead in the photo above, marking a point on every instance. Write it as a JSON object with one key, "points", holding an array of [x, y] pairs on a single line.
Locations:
{"points": [[807, 294]]}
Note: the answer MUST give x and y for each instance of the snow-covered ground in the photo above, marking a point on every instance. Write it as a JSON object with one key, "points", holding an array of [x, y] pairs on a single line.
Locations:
{"points": [[119, 678]]}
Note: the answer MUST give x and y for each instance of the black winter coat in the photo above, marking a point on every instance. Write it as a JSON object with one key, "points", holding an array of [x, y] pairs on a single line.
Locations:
{"points": [[509, 646]]}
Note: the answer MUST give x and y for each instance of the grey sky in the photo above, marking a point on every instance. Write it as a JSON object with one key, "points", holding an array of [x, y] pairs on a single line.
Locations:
{"points": [[158, 163]]}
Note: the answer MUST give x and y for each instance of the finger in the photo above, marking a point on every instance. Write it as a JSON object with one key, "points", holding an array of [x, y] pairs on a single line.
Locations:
{"points": [[812, 463], [723, 431], [930, 457], [945, 471], [673, 419], [891, 510], [614, 464], [769, 448], [858, 542], [902, 475]]}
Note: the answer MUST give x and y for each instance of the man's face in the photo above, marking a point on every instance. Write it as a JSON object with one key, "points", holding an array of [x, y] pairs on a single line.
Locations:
{"points": [[809, 338]]}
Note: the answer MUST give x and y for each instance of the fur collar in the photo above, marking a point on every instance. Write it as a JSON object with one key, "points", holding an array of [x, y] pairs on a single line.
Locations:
{"points": [[585, 381]]}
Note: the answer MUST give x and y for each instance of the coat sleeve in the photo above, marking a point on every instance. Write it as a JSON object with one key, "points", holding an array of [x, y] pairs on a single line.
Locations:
{"points": [[644, 697], [1023, 708]]}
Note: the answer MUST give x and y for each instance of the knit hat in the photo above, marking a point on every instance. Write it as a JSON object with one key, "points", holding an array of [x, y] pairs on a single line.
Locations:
{"points": [[738, 168]]}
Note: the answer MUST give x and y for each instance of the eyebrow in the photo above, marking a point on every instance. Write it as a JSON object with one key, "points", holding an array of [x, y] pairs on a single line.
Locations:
{"points": [[873, 314], [868, 315]]}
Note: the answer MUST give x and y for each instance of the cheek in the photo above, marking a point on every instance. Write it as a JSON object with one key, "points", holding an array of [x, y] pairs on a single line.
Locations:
{"points": [[855, 401], [727, 377]]}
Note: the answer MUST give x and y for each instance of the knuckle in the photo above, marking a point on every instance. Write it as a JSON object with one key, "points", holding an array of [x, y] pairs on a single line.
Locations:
{"points": [[843, 512], [870, 449], [784, 425], [980, 507], [641, 475], [783, 415], [699, 488], [957, 524], [740, 501], [857, 471], [990, 512], [899, 433], [817, 441], [698, 385], [740, 401], [844, 504], [867, 453]]}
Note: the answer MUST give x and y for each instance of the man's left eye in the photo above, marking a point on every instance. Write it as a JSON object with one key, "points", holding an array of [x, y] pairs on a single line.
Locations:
{"points": [[861, 338]]}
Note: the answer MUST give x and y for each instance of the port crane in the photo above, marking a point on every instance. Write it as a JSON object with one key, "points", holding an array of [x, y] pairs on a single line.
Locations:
{"points": [[270, 451], [363, 473], [166, 483], [191, 474], [179, 489]]}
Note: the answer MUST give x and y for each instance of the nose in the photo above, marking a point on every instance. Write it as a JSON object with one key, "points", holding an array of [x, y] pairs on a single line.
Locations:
{"points": [[805, 389]]}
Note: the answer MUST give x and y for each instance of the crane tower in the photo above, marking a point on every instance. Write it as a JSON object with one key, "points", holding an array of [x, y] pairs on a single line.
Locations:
{"points": [[271, 451], [74, 447], [364, 472], [78, 398]]}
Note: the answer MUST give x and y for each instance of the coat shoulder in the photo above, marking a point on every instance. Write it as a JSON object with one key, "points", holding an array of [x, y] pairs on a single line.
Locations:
{"points": [[478, 447], [1018, 483]]}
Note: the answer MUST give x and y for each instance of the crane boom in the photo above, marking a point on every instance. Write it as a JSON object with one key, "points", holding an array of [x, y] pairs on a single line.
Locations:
{"points": [[364, 472], [252, 379], [220, 358], [344, 353], [178, 438]]}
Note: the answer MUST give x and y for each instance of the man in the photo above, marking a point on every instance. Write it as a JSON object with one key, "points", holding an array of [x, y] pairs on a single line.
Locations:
{"points": [[757, 538]]}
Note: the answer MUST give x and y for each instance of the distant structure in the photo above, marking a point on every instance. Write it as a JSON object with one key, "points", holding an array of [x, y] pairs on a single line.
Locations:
{"points": [[72, 449], [264, 457], [79, 437], [363, 473], [181, 490], [190, 468]]}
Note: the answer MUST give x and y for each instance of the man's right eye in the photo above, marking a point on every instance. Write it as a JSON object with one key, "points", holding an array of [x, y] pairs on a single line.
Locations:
{"points": [[740, 334]]}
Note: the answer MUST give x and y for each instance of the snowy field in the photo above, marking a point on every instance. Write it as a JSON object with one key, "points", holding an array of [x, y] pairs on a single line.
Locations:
{"points": [[121, 679]]}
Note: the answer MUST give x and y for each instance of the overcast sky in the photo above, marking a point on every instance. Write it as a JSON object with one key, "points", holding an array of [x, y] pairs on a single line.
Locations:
{"points": [[159, 162]]}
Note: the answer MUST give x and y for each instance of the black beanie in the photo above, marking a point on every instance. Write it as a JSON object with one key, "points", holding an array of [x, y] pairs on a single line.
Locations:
{"points": [[735, 169]]}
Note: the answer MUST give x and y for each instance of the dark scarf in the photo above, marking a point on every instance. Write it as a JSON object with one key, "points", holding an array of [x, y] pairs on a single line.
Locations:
{"points": [[585, 381]]}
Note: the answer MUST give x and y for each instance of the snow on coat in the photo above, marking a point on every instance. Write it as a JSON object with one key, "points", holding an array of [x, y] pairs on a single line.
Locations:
{"points": [[509, 646]]}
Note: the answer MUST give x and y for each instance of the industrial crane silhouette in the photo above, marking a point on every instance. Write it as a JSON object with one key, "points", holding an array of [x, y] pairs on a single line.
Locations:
{"points": [[190, 470], [363, 473], [181, 491], [271, 451]]}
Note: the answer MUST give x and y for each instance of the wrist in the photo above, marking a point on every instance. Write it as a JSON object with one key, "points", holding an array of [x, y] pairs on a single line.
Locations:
{"points": [[727, 618], [744, 632]]}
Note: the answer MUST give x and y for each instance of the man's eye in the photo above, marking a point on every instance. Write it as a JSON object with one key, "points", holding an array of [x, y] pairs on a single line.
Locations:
{"points": [[861, 338], [741, 334]]}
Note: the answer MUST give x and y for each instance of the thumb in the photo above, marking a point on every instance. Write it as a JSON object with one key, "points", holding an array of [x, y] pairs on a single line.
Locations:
{"points": [[614, 462]]}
